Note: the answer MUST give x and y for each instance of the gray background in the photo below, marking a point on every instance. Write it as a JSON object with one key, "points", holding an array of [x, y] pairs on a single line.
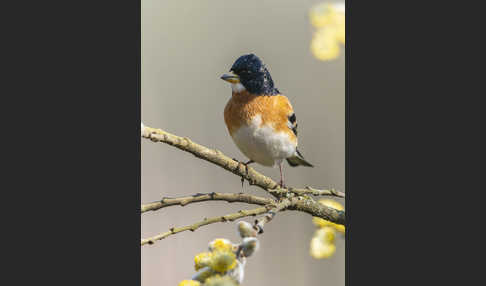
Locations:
{"points": [[186, 46]]}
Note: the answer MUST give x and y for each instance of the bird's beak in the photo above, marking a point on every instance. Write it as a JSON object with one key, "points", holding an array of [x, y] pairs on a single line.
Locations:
{"points": [[231, 77]]}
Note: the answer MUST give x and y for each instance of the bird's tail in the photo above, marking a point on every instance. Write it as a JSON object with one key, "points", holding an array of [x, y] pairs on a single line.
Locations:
{"points": [[298, 160]]}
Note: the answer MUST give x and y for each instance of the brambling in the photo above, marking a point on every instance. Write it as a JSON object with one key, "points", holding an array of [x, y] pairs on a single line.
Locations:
{"points": [[260, 120]]}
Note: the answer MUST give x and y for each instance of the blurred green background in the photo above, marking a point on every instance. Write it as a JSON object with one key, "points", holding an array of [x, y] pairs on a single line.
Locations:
{"points": [[186, 46]]}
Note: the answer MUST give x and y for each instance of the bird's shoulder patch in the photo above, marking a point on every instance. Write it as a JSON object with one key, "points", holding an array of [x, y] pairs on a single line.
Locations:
{"points": [[288, 120], [276, 111]]}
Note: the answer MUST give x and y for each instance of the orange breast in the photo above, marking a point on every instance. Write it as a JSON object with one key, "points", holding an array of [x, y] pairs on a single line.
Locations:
{"points": [[274, 110]]}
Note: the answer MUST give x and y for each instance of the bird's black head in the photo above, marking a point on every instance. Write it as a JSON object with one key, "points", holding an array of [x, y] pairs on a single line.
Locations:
{"points": [[253, 75]]}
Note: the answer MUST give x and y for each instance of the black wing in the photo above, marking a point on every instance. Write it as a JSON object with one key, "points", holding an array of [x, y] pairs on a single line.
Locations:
{"points": [[293, 123]]}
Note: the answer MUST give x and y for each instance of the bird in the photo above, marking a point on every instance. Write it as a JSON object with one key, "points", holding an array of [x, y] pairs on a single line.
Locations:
{"points": [[259, 119]]}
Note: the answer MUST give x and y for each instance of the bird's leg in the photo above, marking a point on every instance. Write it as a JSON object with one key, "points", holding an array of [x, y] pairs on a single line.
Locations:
{"points": [[282, 185], [246, 169]]}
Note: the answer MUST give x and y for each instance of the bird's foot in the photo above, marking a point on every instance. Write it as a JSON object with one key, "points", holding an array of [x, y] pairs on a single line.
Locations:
{"points": [[246, 169], [282, 185]]}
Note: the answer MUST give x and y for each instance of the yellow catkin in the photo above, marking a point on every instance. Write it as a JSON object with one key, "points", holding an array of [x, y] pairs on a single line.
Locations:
{"points": [[223, 261], [322, 244], [220, 281], [329, 19], [189, 283], [202, 260], [220, 244]]}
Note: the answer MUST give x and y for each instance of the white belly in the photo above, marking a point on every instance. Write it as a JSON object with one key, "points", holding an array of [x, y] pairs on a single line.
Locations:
{"points": [[262, 144]]}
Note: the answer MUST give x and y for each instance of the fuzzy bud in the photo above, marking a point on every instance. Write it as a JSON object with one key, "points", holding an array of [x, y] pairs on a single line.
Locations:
{"points": [[189, 283], [222, 261], [220, 281], [202, 260], [249, 246], [246, 229], [203, 274], [322, 244], [220, 244]]}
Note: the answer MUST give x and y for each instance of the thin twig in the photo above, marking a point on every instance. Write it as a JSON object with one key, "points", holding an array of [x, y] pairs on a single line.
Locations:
{"points": [[193, 227], [296, 203], [259, 223], [228, 197]]}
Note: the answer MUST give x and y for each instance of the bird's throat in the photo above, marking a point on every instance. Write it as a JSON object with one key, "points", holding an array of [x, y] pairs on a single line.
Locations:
{"points": [[237, 87]]}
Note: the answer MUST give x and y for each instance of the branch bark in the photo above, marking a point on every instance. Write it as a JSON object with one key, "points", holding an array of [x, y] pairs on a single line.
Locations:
{"points": [[272, 208], [285, 198], [211, 155], [193, 227], [318, 210], [310, 191], [228, 197], [218, 158], [259, 223]]}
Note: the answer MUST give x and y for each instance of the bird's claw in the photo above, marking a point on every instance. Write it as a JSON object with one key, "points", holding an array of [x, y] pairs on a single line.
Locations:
{"points": [[246, 169]]}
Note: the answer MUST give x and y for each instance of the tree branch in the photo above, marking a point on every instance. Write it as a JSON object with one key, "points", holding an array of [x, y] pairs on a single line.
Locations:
{"points": [[296, 203], [286, 199], [270, 209], [316, 209], [210, 155], [311, 191], [218, 158], [259, 223], [193, 227], [228, 197]]}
